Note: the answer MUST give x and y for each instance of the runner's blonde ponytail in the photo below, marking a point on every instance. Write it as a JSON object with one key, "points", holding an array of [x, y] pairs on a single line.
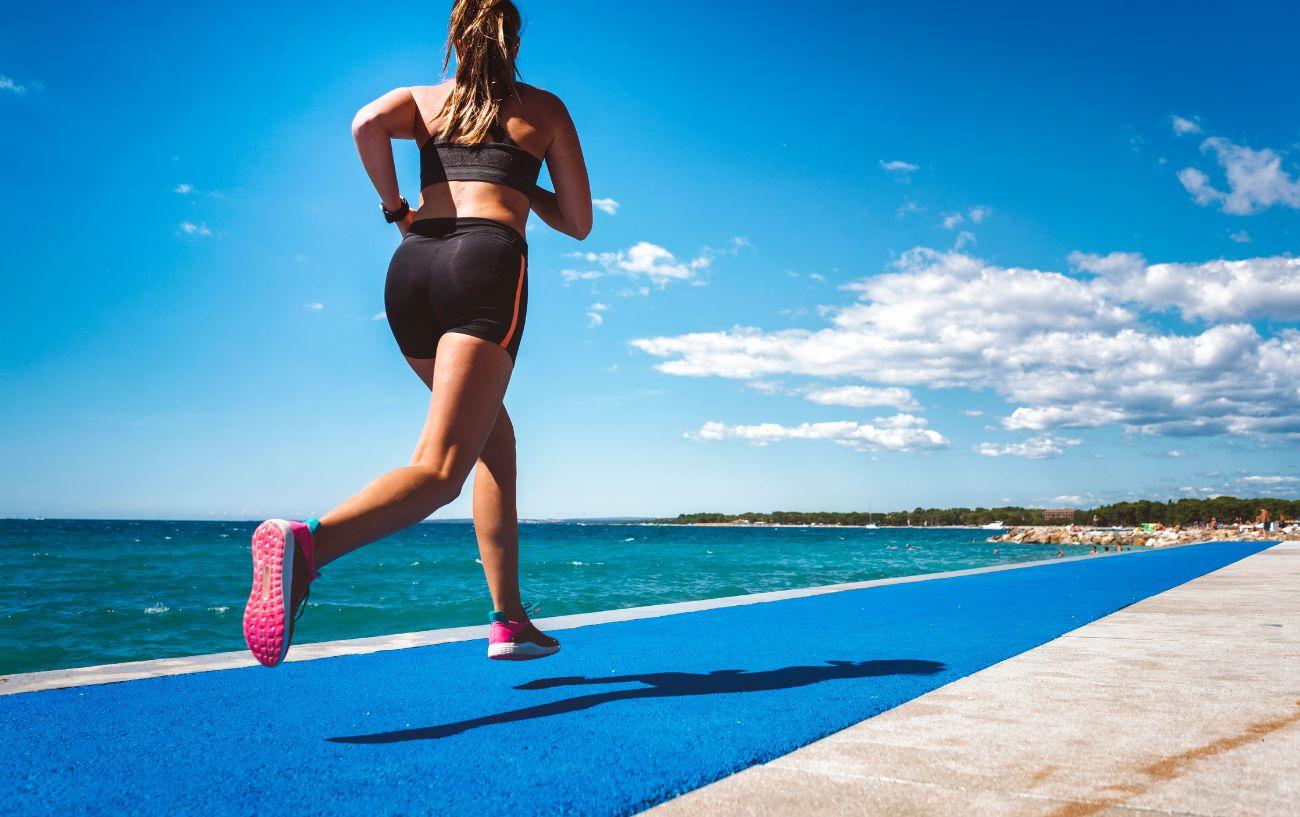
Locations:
{"points": [[484, 36]]}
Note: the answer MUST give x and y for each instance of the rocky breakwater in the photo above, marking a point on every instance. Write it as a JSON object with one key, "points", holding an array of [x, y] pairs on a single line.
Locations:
{"points": [[1138, 537]]}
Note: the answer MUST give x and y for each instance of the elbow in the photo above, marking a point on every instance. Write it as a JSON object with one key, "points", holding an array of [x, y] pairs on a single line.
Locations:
{"points": [[582, 226], [365, 125]]}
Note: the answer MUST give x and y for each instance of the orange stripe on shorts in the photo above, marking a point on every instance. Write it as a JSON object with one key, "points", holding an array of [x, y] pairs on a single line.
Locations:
{"points": [[519, 294]]}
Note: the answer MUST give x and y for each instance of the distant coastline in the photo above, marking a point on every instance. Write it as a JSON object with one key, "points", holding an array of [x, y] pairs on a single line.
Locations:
{"points": [[1150, 536], [1186, 513], [738, 524]]}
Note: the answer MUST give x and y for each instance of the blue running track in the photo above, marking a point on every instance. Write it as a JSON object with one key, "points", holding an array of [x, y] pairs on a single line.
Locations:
{"points": [[627, 715]]}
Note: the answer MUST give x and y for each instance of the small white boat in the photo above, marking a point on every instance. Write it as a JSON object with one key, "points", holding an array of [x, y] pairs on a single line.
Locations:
{"points": [[993, 526], [870, 526]]}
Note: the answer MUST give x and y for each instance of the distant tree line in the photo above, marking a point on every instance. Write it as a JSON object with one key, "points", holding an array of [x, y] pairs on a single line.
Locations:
{"points": [[1225, 509]]}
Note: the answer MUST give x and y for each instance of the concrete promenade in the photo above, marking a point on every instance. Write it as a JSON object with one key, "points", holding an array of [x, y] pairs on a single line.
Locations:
{"points": [[1186, 703]]}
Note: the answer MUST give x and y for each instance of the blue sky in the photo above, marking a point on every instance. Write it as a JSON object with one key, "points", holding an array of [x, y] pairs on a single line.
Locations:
{"points": [[886, 256]]}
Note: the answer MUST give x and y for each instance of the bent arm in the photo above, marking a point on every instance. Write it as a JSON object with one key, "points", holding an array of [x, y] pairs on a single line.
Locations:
{"points": [[568, 209], [392, 116]]}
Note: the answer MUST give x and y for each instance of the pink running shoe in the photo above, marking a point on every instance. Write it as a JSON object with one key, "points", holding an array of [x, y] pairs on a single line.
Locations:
{"points": [[284, 564], [518, 640]]}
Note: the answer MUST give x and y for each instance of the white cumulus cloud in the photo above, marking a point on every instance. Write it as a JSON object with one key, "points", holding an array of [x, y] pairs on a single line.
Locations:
{"points": [[1035, 448], [1182, 125], [606, 206], [901, 433], [648, 261], [1271, 480], [1198, 184], [1063, 351], [8, 84], [1256, 179], [658, 264], [863, 396], [898, 168], [1217, 290], [190, 228], [571, 275], [975, 215]]}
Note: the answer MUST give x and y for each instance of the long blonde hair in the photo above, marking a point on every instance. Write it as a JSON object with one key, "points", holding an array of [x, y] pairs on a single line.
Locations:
{"points": [[484, 35]]}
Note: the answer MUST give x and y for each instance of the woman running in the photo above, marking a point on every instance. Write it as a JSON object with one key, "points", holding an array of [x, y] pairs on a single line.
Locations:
{"points": [[456, 297]]}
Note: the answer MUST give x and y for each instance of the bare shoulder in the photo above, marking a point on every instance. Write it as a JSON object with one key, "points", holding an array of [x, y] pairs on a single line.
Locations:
{"points": [[430, 93], [542, 103]]}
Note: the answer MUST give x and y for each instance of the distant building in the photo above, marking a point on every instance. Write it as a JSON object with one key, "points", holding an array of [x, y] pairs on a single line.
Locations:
{"points": [[1058, 515]]}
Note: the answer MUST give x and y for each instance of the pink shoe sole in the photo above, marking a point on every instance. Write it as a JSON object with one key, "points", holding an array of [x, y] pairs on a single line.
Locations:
{"points": [[267, 614]]}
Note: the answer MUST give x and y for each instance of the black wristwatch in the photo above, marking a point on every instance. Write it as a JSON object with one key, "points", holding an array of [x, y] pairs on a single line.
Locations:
{"points": [[393, 216]]}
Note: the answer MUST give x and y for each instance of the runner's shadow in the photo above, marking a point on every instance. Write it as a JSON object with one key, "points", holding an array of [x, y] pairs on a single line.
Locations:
{"points": [[661, 685]]}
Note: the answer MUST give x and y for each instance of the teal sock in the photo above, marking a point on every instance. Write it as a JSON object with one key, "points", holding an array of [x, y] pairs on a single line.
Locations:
{"points": [[312, 524]]}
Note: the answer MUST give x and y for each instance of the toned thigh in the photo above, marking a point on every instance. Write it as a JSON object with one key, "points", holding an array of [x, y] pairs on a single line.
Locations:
{"points": [[469, 380], [499, 448]]}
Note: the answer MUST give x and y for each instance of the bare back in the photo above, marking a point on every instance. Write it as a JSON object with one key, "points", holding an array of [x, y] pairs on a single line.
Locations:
{"points": [[533, 121], [537, 123]]}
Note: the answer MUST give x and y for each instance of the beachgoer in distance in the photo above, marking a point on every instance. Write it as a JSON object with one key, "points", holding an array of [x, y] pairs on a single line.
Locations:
{"points": [[456, 298]]}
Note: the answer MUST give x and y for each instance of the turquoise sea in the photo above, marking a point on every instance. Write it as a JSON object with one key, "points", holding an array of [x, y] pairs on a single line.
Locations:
{"points": [[75, 593]]}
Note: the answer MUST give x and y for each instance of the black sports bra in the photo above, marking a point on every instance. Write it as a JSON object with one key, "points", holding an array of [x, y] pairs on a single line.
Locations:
{"points": [[500, 161]]}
